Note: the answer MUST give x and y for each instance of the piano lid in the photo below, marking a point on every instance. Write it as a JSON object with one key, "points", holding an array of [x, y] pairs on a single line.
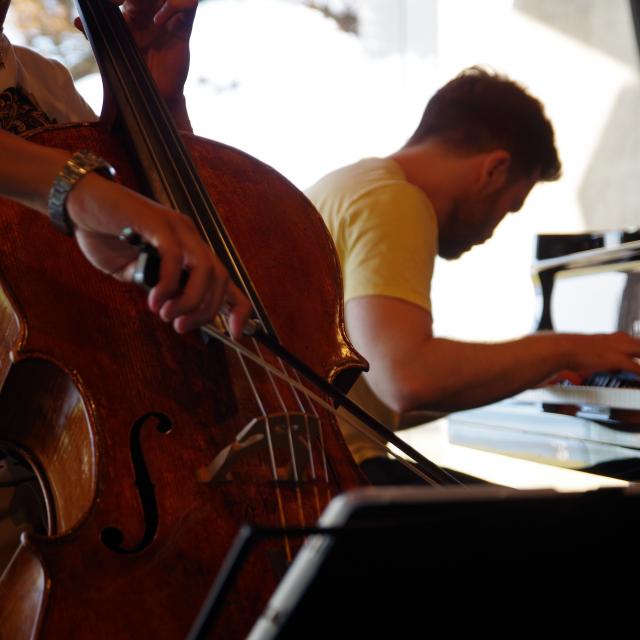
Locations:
{"points": [[588, 283]]}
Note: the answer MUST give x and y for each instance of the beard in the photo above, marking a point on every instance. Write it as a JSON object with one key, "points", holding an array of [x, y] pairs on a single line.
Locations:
{"points": [[454, 236], [453, 250], [468, 224]]}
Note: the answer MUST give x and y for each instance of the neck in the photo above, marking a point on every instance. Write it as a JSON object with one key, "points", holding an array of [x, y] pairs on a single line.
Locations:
{"points": [[441, 174]]}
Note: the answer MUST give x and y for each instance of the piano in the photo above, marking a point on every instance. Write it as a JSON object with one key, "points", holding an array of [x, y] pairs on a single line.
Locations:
{"points": [[585, 283]]}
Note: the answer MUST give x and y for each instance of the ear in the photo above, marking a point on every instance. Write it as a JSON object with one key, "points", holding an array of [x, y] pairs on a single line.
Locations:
{"points": [[494, 170]]}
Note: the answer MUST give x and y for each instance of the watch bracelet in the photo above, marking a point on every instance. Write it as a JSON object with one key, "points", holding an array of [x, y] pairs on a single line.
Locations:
{"points": [[80, 164]]}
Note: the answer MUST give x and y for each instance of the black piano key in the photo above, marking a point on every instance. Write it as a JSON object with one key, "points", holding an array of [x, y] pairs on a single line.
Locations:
{"points": [[618, 380]]}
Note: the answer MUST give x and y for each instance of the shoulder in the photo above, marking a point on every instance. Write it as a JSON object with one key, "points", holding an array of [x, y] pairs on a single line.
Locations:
{"points": [[33, 59], [51, 84], [359, 178], [387, 198], [368, 187]]}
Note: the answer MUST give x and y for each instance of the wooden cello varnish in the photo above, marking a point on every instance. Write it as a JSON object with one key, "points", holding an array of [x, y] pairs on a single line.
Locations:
{"points": [[118, 414]]}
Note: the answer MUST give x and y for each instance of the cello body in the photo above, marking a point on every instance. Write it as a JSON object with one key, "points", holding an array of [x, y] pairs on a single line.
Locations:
{"points": [[119, 416]]}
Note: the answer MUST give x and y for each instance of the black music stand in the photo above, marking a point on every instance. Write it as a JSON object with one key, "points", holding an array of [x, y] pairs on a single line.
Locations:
{"points": [[425, 563]]}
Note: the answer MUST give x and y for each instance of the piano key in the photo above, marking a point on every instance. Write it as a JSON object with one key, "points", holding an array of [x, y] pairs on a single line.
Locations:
{"points": [[581, 395]]}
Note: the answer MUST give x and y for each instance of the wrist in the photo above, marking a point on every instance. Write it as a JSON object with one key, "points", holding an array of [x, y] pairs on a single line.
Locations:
{"points": [[76, 169], [557, 350]]}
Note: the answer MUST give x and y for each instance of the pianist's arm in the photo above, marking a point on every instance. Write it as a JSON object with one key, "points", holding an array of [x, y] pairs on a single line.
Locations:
{"points": [[411, 369]]}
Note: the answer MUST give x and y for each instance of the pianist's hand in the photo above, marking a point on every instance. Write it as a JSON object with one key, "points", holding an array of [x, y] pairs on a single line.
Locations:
{"points": [[587, 354]]}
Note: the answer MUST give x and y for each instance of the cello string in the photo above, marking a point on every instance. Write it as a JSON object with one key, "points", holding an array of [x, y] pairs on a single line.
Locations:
{"points": [[356, 424], [350, 420], [320, 432], [294, 392], [281, 510], [274, 470], [296, 396], [172, 149], [170, 146], [202, 213], [283, 405], [262, 410], [315, 414], [290, 434], [106, 23]]}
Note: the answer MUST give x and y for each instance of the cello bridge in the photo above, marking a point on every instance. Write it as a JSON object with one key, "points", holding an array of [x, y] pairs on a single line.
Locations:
{"points": [[286, 438]]}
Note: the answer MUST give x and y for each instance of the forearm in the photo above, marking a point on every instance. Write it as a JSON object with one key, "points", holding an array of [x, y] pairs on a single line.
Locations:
{"points": [[446, 375], [27, 170]]}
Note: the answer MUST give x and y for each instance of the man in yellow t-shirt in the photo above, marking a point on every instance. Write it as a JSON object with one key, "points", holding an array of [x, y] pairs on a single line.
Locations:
{"points": [[405, 243], [482, 144]]}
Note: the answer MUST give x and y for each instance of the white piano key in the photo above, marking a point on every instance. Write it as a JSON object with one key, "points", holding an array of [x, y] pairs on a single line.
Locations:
{"points": [[584, 396]]}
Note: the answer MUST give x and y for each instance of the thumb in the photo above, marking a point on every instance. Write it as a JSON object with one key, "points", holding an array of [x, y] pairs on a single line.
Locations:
{"points": [[572, 377]]}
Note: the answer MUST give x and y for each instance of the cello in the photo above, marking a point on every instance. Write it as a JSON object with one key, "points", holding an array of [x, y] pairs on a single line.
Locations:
{"points": [[151, 449]]}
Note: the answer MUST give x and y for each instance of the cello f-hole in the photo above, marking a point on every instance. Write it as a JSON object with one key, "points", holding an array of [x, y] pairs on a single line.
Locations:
{"points": [[112, 537]]}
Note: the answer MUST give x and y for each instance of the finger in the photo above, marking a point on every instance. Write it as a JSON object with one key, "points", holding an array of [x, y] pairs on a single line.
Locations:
{"points": [[168, 285], [200, 305], [239, 310], [632, 366], [171, 8], [207, 277], [566, 376], [197, 318], [200, 299], [138, 13], [201, 316]]}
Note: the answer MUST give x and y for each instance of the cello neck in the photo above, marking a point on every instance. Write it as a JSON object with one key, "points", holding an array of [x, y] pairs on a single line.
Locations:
{"points": [[163, 158]]}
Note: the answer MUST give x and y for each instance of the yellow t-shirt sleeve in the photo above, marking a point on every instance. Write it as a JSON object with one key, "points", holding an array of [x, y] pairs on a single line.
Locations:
{"points": [[390, 241]]}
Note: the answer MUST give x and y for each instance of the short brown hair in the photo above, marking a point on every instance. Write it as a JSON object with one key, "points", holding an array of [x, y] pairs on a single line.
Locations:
{"points": [[480, 110]]}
